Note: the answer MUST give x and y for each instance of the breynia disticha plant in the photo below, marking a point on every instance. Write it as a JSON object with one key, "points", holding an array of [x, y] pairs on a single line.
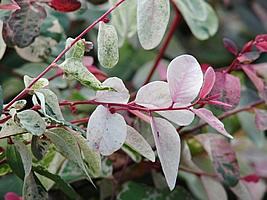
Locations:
{"points": [[81, 117]]}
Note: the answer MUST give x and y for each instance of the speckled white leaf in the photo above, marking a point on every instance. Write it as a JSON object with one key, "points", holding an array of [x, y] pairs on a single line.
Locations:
{"points": [[106, 132], [136, 141], [168, 146], [41, 83], [154, 95], [179, 117], [2, 42], [108, 49], [214, 188], [120, 95], [185, 79], [32, 122], [152, 20]]}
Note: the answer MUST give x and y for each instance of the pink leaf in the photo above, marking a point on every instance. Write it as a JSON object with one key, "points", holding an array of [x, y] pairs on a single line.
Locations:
{"points": [[229, 88], [261, 119], [65, 5], [261, 42], [248, 57], [10, 6], [258, 82], [209, 80], [12, 196], [185, 79], [215, 123], [88, 61], [230, 46]]}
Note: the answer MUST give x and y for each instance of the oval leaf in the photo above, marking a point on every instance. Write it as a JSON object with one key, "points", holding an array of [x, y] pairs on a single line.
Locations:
{"points": [[208, 83], [185, 79], [168, 146], [152, 20], [213, 188], [108, 49], [106, 132]]}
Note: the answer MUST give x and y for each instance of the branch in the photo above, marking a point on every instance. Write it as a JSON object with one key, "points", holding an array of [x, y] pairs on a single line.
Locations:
{"points": [[53, 64]]}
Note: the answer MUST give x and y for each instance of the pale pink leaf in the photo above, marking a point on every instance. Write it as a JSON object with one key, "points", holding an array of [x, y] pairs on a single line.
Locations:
{"points": [[179, 117], [261, 119], [106, 132], [241, 191], [213, 121], [168, 146], [209, 80], [257, 190], [154, 95], [214, 189], [229, 89], [121, 95], [185, 79]]}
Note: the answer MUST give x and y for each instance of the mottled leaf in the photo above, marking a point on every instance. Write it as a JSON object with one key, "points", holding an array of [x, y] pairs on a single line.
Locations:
{"points": [[11, 128], [106, 132], [23, 25], [39, 146], [185, 79], [31, 121], [152, 20], [168, 146], [136, 141], [108, 49], [41, 83]]}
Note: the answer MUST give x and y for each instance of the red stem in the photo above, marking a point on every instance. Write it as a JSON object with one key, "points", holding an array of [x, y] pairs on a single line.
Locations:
{"points": [[25, 91], [174, 24]]}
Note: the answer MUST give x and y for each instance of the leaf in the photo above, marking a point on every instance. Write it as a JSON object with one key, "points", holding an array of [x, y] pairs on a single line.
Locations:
{"points": [[11, 128], [241, 191], [120, 95], [201, 29], [208, 83], [2, 42], [25, 155], [18, 105], [261, 42], [65, 187], [74, 68], [261, 119], [135, 156], [153, 95], [77, 50], [257, 81], [49, 103], [229, 88], [41, 83], [152, 20], [1, 100], [23, 25], [14, 161], [185, 79], [32, 189], [214, 122], [248, 57], [196, 8], [32, 122], [136, 141], [67, 145], [92, 158], [230, 46], [39, 147], [10, 6], [65, 5], [106, 132], [108, 49], [223, 158], [213, 188], [168, 146]]}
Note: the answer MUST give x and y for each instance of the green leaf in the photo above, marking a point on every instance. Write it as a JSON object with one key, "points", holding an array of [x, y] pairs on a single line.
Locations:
{"points": [[152, 20], [76, 51], [136, 157], [49, 103], [11, 128], [91, 158], [1, 100], [108, 49], [202, 29], [68, 146], [23, 25], [33, 189], [196, 8], [132, 191], [65, 187], [14, 160], [39, 146], [32, 122], [41, 83], [74, 68]]}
